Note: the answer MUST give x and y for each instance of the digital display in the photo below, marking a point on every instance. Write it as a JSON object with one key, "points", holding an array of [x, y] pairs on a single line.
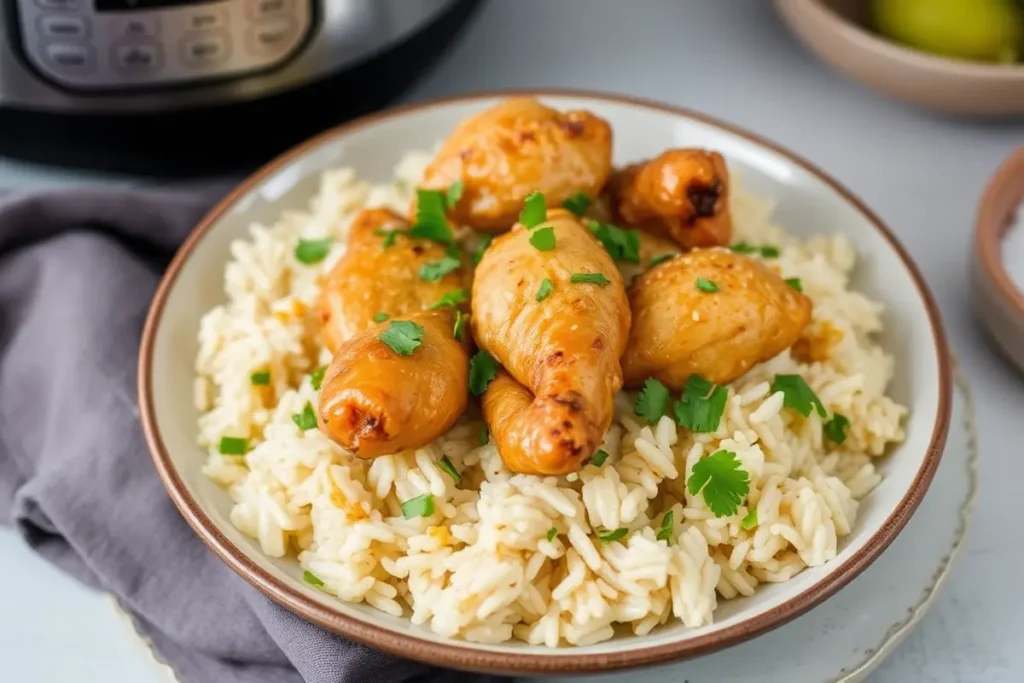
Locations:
{"points": [[123, 5]]}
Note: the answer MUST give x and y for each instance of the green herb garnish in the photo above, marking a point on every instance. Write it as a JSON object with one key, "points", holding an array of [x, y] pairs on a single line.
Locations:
{"points": [[665, 532], [701, 406], [452, 298], [661, 258], [233, 445], [795, 283], [485, 435], [460, 324], [446, 465], [543, 239], [652, 401], [389, 237], [481, 248], [590, 278], [835, 429], [316, 377], [435, 270], [453, 195], [305, 420], [770, 252], [552, 532], [312, 579], [577, 204], [750, 521], [312, 251], [767, 251], [260, 379], [544, 291], [609, 535], [599, 457], [431, 220], [535, 210], [482, 370], [622, 244], [420, 506], [381, 317], [721, 480], [797, 395], [402, 336], [705, 285]]}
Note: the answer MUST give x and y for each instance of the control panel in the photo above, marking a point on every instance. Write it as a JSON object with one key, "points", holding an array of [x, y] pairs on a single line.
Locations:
{"points": [[117, 44]]}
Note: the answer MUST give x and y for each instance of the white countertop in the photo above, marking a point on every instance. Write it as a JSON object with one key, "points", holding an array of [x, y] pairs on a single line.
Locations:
{"points": [[732, 59]]}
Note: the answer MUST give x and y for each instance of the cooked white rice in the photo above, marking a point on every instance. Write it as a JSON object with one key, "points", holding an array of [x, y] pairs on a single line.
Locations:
{"points": [[481, 567]]}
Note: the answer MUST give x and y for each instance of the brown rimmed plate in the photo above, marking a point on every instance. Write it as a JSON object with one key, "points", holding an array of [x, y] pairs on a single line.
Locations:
{"points": [[807, 202]]}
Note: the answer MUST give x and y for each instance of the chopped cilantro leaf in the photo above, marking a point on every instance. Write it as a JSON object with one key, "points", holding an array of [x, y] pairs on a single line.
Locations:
{"points": [[661, 258], [482, 370], [795, 283], [389, 237], [535, 210], [652, 401], [305, 420], [770, 252], [797, 395], [460, 325], [835, 429], [721, 480], [578, 203], [312, 251], [316, 377], [452, 298], [590, 278], [750, 521], [431, 221], [552, 532], [260, 379], [544, 291], [453, 195], [665, 532], [420, 506], [380, 317], [705, 285], [402, 336], [701, 406], [233, 445], [479, 253], [543, 239], [446, 465], [621, 243], [435, 270]]}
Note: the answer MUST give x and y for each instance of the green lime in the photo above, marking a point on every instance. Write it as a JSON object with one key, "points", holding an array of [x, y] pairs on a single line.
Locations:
{"points": [[980, 30]]}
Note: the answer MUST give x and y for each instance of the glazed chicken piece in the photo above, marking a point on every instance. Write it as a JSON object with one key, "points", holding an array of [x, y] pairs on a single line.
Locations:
{"points": [[514, 148], [370, 279], [679, 329], [550, 411], [683, 194], [374, 400]]}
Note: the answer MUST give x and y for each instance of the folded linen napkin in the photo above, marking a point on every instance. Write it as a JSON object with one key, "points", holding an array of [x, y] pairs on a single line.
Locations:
{"points": [[77, 271]]}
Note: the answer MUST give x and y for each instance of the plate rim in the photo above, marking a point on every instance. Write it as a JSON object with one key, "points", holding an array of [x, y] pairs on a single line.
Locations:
{"points": [[453, 653]]}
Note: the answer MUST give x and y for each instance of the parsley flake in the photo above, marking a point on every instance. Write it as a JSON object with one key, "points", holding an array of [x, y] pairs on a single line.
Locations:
{"points": [[544, 291], [609, 535], [402, 336], [260, 379], [535, 210], [705, 285], [431, 221], [460, 324], [665, 532], [590, 278], [435, 270], [316, 377], [652, 401], [795, 283], [701, 406], [312, 579], [543, 239], [305, 420], [621, 243], [577, 203], [797, 395], [233, 445], [452, 298], [481, 248], [552, 532], [420, 506], [453, 194], [312, 251], [835, 429], [721, 480], [599, 457], [446, 465], [381, 317], [482, 370], [750, 521], [661, 258]]}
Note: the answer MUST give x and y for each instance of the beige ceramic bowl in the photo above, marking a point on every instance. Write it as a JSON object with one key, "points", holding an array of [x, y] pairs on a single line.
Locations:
{"points": [[836, 31], [807, 202]]}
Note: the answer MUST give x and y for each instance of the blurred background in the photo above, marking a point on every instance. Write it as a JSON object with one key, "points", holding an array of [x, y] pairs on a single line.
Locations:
{"points": [[912, 104]]}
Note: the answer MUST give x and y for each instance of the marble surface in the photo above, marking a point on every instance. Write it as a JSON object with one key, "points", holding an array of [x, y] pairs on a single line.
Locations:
{"points": [[922, 173]]}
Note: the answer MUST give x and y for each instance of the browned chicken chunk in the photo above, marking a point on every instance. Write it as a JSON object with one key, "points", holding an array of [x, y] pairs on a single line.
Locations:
{"points": [[679, 328], [557, 320], [682, 194], [514, 148], [373, 399]]}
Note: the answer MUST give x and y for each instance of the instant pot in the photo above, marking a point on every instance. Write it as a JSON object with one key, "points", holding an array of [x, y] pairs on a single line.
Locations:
{"points": [[186, 86]]}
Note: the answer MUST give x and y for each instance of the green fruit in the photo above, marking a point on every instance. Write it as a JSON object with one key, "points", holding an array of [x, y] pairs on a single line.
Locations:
{"points": [[980, 30]]}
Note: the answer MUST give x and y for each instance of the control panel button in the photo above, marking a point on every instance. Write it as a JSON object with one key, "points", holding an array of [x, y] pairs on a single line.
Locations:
{"points": [[266, 9], [70, 59], [137, 59], [62, 26], [204, 20], [137, 27], [59, 4], [205, 50], [272, 36]]}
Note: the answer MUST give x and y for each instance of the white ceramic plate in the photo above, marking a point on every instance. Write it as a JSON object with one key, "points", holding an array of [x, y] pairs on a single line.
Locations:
{"points": [[808, 202]]}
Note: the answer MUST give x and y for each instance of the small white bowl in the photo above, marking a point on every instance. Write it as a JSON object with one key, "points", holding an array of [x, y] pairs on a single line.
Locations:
{"points": [[808, 202]]}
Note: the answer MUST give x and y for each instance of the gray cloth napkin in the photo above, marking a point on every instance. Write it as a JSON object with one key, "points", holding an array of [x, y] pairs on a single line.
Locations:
{"points": [[77, 271]]}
